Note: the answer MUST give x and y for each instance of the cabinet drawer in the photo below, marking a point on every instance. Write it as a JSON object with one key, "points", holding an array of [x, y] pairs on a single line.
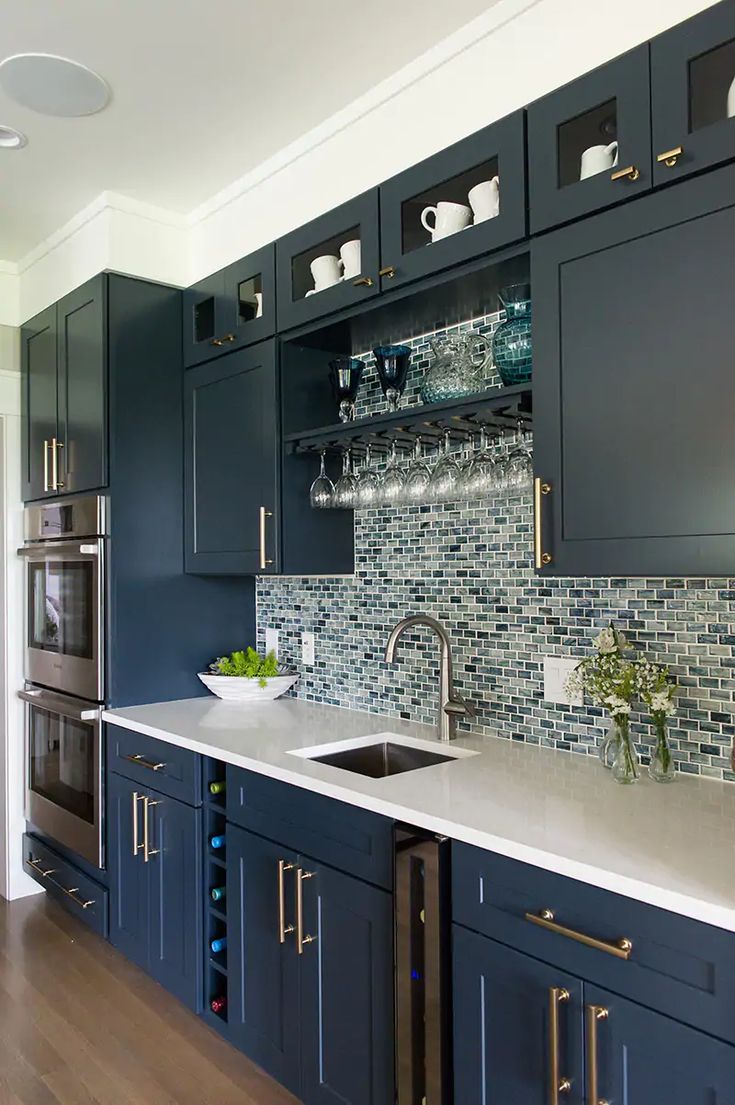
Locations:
{"points": [[157, 764], [80, 894], [343, 836], [681, 967]]}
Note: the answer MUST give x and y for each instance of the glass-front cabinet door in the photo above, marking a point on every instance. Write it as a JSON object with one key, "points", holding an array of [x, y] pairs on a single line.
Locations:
{"points": [[693, 93], [330, 263], [232, 308], [467, 200], [589, 143]]}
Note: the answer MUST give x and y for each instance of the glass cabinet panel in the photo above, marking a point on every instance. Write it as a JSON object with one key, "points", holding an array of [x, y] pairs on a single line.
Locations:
{"points": [[587, 144], [712, 86], [451, 205], [326, 264]]}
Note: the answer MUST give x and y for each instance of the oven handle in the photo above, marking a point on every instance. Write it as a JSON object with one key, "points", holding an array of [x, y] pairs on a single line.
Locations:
{"points": [[41, 549], [56, 705]]}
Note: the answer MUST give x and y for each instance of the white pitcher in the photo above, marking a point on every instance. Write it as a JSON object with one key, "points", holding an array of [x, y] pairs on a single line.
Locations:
{"points": [[596, 159], [485, 199]]}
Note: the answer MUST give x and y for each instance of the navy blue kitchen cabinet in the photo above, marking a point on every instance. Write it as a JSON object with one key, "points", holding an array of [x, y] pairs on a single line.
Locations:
{"points": [[310, 962], [692, 108], [231, 308], [64, 395], [231, 464], [608, 108], [154, 850], [633, 393]]}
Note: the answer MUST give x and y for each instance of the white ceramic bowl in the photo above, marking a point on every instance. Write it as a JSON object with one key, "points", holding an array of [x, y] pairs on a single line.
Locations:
{"points": [[236, 688]]}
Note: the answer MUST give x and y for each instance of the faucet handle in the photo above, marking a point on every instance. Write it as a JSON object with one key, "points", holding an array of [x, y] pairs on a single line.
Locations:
{"points": [[456, 706]]}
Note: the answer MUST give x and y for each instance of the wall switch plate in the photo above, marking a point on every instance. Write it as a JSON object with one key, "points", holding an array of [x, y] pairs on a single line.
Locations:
{"points": [[557, 670], [307, 649], [271, 641]]}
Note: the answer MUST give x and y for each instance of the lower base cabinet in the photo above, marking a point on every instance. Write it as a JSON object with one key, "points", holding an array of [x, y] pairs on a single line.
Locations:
{"points": [[527, 1033], [310, 973], [154, 845]]}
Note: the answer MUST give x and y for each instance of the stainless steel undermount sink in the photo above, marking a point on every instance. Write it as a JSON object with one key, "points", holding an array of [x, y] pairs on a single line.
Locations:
{"points": [[380, 760]]}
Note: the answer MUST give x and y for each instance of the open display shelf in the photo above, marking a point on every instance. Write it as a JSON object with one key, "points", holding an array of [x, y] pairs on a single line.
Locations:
{"points": [[495, 407]]}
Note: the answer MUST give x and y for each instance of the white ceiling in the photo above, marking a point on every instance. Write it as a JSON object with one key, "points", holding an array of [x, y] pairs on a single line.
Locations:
{"points": [[203, 91]]}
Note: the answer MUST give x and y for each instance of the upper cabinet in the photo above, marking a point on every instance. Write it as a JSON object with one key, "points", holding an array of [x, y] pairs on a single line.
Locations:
{"points": [[234, 307], [467, 200], [64, 395], [589, 143], [330, 263], [693, 94]]}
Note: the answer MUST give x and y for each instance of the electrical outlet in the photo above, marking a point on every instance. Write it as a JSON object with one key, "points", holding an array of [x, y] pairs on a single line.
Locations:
{"points": [[271, 641], [557, 670], [307, 649]]}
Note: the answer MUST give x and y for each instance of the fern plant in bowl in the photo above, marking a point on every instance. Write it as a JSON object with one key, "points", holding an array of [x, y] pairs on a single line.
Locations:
{"points": [[248, 677]]}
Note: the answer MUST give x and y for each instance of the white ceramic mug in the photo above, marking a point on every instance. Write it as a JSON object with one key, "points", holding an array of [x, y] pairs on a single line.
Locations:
{"points": [[326, 272], [258, 304], [485, 199], [350, 259], [596, 159], [731, 100], [448, 219]]}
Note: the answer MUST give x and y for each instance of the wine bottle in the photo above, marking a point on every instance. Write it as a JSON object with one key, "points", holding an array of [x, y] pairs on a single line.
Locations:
{"points": [[217, 841], [218, 1004], [217, 786], [218, 945], [217, 893]]}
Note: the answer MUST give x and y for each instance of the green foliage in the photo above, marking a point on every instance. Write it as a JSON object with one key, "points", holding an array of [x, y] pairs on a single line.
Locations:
{"points": [[247, 665]]}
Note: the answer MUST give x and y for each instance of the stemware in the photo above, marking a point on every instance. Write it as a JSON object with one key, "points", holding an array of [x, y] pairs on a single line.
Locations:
{"points": [[345, 374], [445, 477], [518, 468], [392, 364], [419, 476], [345, 487], [367, 491], [393, 487], [480, 477], [321, 492]]}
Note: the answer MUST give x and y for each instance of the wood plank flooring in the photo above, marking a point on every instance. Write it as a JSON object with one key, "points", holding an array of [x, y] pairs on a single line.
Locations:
{"points": [[80, 1025]]}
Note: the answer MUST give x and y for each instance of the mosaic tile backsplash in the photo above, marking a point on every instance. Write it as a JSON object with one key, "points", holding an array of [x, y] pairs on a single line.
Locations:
{"points": [[469, 565]]}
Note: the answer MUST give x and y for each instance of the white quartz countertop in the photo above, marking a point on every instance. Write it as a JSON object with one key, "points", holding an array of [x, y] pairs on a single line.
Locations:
{"points": [[672, 846]]}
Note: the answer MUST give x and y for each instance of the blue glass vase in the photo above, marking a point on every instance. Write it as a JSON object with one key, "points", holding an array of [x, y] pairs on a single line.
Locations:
{"points": [[512, 339]]}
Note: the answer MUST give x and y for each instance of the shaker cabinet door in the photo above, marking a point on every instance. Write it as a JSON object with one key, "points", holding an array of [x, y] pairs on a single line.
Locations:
{"points": [[249, 299], [82, 363], [230, 464], [203, 321], [129, 901], [634, 396], [38, 403]]}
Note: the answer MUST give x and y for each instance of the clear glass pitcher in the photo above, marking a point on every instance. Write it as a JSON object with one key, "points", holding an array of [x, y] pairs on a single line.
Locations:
{"points": [[458, 367]]}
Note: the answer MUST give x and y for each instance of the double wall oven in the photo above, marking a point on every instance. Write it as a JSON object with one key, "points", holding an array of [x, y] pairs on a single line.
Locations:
{"points": [[65, 552]]}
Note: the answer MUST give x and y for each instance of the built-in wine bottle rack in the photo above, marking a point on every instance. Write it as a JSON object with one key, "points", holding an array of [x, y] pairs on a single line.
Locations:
{"points": [[215, 887]]}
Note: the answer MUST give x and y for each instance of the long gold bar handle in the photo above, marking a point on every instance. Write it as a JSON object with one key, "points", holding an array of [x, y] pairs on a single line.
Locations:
{"points": [[594, 1013], [300, 938], [54, 468], [57, 482], [137, 847], [70, 893], [558, 1084], [540, 488], [630, 172], [264, 561], [621, 949], [45, 465], [670, 157], [141, 761], [147, 850], [283, 928]]}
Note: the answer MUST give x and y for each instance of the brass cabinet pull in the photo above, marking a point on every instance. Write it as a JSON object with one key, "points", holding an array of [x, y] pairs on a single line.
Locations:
{"points": [[216, 341], [621, 949], [540, 488], [147, 850], [141, 761], [57, 482], [137, 847], [264, 561], [228, 338], [670, 157], [300, 938], [363, 281], [630, 172], [594, 1013], [70, 893], [283, 928], [45, 465], [388, 272], [54, 467], [558, 1084]]}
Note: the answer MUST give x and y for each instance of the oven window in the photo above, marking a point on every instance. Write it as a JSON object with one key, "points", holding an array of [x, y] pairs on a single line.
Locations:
{"points": [[61, 607], [62, 762]]}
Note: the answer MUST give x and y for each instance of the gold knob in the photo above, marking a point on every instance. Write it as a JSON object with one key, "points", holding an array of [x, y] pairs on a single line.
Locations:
{"points": [[216, 341], [388, 272], [630, 172], [229, 337], [363, 281], [670, 157]]}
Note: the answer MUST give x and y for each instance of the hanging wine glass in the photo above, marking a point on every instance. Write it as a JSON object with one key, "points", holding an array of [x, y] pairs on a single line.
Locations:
{"points": [[321, 493], [367, 491], [344, 489], [480, 478], [518, 468], [419, 476], [445, 477], [393, 487], [391, 362]]}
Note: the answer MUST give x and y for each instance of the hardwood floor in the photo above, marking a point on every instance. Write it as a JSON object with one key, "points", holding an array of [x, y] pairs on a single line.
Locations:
{"points": [[80, 1025]]}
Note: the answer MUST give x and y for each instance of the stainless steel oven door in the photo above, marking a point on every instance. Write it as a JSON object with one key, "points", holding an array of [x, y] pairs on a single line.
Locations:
{"points": [[65, 624], [64, 770]]}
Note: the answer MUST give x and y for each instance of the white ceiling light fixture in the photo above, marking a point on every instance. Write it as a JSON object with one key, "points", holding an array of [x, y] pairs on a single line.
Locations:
{"points": [[53, 85], [11, 139]]}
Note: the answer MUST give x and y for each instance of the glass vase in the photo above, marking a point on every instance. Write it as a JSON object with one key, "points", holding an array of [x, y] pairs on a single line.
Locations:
{"points": [[609, 747], [625, 768], [661, 767], [512, 339]]}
